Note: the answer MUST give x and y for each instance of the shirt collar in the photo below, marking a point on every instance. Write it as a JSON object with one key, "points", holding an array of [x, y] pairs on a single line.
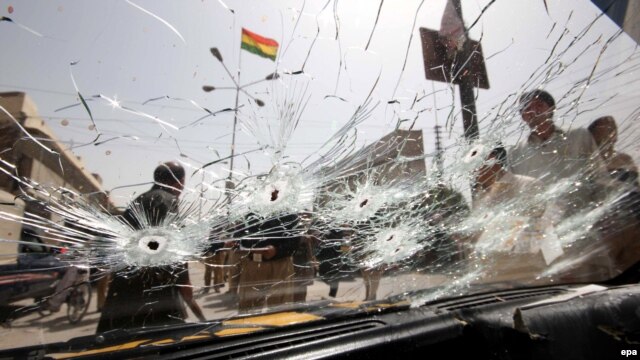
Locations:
{"points": [[535, 139]]}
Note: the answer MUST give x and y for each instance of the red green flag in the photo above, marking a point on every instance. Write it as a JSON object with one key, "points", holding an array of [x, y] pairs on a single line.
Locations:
{"points": [[259, 45]]}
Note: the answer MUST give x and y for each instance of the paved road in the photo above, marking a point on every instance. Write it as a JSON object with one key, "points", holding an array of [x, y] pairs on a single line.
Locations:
{"points": [[35, 329]]}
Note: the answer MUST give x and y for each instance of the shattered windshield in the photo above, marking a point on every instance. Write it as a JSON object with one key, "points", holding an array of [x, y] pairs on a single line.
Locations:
{"points": [[165, 163]]}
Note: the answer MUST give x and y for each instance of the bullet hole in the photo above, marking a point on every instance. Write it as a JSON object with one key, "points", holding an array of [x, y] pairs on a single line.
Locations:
{"points": [[474, 153], [362, 204], [153, 245], [274, 194]]}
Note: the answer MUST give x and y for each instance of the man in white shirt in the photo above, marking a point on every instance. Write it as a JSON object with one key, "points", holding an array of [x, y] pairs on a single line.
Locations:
{"points": [[511, 199], [510, 243], [569, 164], [555, 156]]}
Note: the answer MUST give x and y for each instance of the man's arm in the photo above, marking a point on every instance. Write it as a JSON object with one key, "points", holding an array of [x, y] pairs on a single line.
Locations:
{"points": [[285, 238]]}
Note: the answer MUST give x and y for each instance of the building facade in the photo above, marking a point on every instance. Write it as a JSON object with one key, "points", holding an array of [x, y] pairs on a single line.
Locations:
{"points": [[34, 173], [397, 156]]}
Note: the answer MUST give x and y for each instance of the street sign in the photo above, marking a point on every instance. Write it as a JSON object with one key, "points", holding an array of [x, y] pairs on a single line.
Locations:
{"points": [[453, 67]]}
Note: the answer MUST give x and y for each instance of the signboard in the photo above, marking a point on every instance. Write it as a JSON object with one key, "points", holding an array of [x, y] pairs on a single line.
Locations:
{"points": [[441, 65]]}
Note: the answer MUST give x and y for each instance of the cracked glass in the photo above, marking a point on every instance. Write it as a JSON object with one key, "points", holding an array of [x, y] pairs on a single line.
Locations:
{"points": [[166, 163]]}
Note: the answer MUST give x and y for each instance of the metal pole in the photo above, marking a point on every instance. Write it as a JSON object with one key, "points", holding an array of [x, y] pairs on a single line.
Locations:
{"points": [[465, 88], [233, 134], [229, 182], [469, 117]]}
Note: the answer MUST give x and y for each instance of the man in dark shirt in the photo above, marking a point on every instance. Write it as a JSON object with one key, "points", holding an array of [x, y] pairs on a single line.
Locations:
{"points": [[267, 246], [330, 252], [151, 296]]}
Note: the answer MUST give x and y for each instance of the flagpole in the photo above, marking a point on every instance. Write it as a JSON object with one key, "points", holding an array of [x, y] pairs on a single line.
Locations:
{"points": [[272, 47], [229, 183]]}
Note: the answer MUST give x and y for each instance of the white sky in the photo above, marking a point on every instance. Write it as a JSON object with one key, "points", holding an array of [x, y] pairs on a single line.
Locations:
{"points": [[125, 53]]}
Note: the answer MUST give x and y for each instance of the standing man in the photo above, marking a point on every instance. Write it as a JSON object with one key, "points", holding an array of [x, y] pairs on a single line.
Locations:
{"points": [[511, 240], [214, 264], [620, 228], [214, 260], [266, 265], [496, 185], [304, 262], [151, 296], [620, 166], [551, 154], [330, 250], [371, 277]]}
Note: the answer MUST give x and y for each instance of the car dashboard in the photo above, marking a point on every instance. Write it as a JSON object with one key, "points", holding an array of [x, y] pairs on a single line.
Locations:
{"points": [[551, 322]]}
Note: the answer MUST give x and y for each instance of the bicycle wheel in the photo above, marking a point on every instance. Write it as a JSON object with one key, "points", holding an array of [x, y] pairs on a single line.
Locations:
{"points": [[78, 302]]}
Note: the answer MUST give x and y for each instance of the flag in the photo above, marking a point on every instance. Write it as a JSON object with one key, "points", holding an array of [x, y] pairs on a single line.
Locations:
{"points": [[261, 46]]}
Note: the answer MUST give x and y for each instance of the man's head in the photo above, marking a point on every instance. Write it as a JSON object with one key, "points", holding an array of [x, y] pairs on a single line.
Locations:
{"points": [[604, 131], [170, 174], [537, 108], [495, 162]]}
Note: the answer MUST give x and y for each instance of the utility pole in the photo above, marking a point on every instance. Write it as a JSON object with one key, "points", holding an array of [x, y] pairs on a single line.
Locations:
{"points": [[465, 87], [448, 60]]}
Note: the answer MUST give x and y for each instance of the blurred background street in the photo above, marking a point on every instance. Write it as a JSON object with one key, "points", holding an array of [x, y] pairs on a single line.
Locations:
{"points": [[35, 328]]}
